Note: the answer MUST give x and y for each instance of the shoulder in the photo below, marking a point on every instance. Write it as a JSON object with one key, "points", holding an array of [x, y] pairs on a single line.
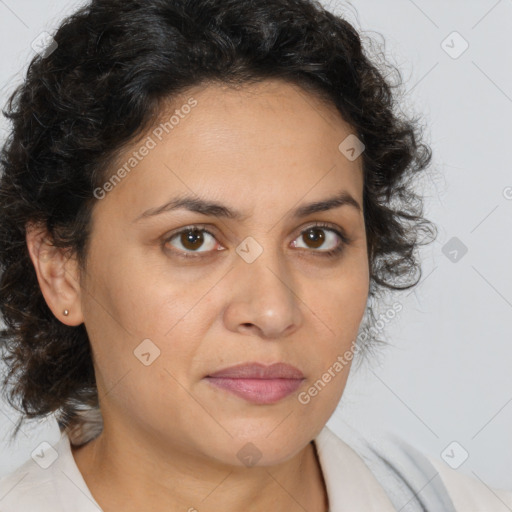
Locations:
{"points": [[472, 494], [26, 489], [467, 493], [414, 481], [49, 481], [403, 474]]}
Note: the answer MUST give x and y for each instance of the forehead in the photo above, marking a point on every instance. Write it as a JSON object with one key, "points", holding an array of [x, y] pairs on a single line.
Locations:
{"points": [[259, 108], [268, 139]]}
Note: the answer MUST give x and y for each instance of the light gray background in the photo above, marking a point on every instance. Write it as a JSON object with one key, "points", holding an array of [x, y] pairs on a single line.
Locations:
{"points": [[446, 375]]}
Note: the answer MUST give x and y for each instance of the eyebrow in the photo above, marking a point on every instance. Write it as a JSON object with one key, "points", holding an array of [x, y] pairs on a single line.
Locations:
{"points": [[213, 209]]}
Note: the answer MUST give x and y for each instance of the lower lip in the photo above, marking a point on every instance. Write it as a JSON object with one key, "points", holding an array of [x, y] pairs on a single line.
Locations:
{"points": [[258, 391]]}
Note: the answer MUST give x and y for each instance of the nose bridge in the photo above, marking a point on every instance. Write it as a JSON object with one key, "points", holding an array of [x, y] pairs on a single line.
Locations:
{"points": [[265, 295]]}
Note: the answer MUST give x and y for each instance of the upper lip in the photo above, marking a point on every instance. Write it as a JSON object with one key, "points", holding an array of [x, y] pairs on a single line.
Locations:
{"points": [[260, 371]]}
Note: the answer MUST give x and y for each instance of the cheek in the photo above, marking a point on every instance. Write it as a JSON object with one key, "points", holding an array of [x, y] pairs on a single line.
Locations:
{"points": [[340, 301], [128, 295], [337, 308], [137, 314], [144, 334]]}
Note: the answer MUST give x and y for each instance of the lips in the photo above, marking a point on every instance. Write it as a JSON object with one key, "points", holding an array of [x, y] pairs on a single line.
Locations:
{"points": [[257, 383], [260, 371]]}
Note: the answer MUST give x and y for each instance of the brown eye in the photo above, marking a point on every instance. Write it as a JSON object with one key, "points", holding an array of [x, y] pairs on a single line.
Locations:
{"points": [[314, 237], [190, 240]]}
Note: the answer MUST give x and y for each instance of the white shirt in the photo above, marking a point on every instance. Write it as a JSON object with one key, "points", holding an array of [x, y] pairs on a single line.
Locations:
{"points": [[54, 483]]}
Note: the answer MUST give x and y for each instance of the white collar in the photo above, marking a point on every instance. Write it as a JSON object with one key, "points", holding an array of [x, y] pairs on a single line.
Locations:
{"points": [[350, 484]]}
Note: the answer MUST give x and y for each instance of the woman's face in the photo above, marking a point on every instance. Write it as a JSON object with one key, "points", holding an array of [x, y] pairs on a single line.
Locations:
{"points": [[165, 310]]}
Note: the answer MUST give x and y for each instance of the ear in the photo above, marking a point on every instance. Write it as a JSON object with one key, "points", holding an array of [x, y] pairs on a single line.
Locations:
{"points": [[58, 275]]}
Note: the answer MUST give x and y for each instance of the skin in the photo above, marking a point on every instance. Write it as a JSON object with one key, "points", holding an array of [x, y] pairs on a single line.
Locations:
{"points": [[170, 438]]}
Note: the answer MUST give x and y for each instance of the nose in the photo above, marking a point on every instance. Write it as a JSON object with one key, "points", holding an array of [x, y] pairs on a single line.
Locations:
{"points": [[262, 298]]}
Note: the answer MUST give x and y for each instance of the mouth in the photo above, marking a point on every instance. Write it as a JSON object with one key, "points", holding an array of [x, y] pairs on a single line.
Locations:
{"points": [[257, 383]]}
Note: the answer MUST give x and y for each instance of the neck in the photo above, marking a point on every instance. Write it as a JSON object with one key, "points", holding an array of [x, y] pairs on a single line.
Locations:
{"points": [[122, 474]]}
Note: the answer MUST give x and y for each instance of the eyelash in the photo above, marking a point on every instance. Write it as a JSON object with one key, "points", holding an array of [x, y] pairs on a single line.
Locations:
{"points": [[200, 227]]}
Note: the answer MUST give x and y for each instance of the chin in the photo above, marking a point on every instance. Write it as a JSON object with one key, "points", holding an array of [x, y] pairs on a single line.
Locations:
{"points": [[261, 446]]}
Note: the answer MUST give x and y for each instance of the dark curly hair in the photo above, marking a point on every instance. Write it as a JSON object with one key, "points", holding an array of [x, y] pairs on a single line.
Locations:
{"points": [[115, 64]]}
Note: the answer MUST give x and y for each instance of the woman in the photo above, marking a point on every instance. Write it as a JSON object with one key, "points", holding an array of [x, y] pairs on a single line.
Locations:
{"points": [[198, 200]]}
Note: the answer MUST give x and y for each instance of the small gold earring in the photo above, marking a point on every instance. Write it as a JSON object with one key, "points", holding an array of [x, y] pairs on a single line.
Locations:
{"points": [[66, 312]]}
